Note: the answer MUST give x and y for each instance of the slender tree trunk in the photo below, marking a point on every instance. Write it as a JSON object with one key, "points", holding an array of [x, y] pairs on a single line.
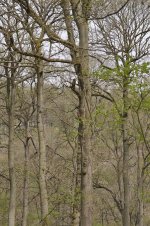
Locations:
{"points": [[77, 195], [26, 177], [120, 183], [126, 215], [140, 203], [139, 220], [11, 151], [42, 147], [86, 173]]}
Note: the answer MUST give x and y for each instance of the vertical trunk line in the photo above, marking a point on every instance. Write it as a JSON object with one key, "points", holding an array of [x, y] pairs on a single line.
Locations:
{"points": [[42, 148], [11, 154], [126, 214], [85, 95], [26, 176]]}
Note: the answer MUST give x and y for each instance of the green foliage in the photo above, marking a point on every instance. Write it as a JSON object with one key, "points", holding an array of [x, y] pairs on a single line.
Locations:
{"points": [[143, 68], [146, 104], [103, 74], [129, 70]]}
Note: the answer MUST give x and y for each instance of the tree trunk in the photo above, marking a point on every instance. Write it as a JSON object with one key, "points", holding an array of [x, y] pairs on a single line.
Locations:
{"points": [[77, 195], [11, 151], [126, 215], [140, 204], [26, 177], [80, 57], [85, 133], [77, 192], [42, 148], [139, 220]]}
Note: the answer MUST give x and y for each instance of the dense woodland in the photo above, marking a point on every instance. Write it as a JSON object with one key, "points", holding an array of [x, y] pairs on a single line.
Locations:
{"points": [[74, 113]]}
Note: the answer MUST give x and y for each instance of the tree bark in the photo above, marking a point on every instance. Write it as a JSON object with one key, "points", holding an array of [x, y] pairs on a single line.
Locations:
{"points": [[139, 220], [11, 151], [126, 215], [80, 57], [42, 147], [26, 176], [85, 132], [77, 192]]}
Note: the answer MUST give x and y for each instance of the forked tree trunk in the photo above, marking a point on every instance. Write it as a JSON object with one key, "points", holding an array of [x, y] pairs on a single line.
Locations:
{"points": [[80, 56]]}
